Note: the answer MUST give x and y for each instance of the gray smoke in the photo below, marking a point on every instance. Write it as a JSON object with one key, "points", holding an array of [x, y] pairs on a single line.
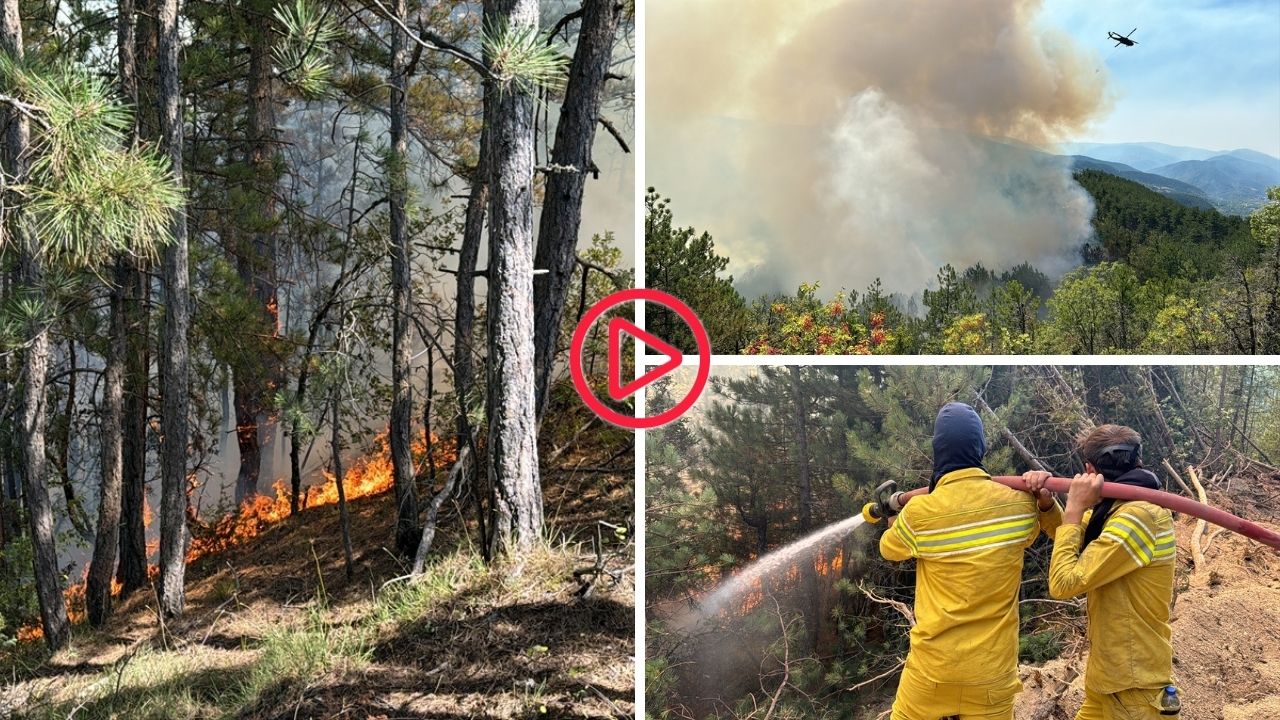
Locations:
{"points": [[854, 139]]}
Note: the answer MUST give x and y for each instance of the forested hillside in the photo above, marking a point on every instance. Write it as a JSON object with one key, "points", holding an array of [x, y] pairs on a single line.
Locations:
{"points": [[773, 454], [271, 263], [1157, 277]]}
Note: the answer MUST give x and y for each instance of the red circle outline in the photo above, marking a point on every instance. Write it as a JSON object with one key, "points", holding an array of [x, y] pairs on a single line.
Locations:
{"points": [[608, 303]]}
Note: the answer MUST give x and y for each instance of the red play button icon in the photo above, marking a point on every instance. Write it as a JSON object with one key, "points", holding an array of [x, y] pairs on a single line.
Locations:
{"points": [[619, 328]]}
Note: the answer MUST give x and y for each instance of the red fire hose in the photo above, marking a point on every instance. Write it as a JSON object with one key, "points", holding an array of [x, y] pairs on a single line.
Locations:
{"points": [[1177, 503]]}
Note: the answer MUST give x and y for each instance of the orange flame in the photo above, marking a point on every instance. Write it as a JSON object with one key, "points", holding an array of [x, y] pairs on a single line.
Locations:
{"points": [[371, 475], [368, 476], [74, 596]]}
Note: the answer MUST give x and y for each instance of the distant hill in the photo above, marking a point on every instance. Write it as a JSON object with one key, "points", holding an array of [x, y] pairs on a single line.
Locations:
{"points": [[1235, 181], [1236, 184], [1183, 192], [1255, 156], [1143, 156]]}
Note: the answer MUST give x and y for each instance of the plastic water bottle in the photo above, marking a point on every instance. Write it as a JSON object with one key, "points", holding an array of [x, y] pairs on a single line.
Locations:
{"points": [[1169, 703]]}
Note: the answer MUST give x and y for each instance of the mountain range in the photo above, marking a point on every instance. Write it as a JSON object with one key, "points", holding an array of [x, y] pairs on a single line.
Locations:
{"points": [[1234, 181]]}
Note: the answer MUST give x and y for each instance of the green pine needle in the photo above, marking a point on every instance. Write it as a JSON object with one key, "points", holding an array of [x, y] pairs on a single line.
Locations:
{"points": [[519, 57], [303, 52], [87, 196]]}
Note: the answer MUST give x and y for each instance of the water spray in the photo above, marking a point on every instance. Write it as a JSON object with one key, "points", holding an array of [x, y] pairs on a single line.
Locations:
{"points": [[889, 501]]}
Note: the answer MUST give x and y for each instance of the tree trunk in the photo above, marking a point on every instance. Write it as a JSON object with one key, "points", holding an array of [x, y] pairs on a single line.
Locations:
{"points": [[35, 370], [801, 435], [762, 538], [562, 203], [1248, 402], [1220, 413], [103, 565], [512, 441], [1271, 333], [256, 264], [430, 471], [401, 299], [465, 319], [304, 375], [1166, 434], [53, 610], [174, 360], [343, 517], [246, 408], [75, 509], [295, 430], [132, 572]]}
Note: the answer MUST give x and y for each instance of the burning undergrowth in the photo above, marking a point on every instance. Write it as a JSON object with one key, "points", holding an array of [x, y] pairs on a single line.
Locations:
{"points": [[371, 475], [788, 602], [368, 476]]}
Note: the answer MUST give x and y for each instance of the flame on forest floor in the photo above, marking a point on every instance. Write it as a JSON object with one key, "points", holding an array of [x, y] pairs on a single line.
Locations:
{"points": [[370, 475]]}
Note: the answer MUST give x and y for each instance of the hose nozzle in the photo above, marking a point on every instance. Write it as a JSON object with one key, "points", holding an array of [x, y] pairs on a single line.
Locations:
{"points": [[888, 502]]}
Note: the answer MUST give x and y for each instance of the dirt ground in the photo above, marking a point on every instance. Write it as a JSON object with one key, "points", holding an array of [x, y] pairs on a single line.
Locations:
{"points": [[1226, 635]]}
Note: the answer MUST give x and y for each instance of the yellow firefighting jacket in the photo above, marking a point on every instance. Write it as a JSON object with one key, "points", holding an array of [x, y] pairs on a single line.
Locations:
{"points": [[968, 537], [1127, 574]]}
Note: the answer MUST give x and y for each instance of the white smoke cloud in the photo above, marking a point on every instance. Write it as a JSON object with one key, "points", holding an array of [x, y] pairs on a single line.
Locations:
{"points": [[850, 140]]}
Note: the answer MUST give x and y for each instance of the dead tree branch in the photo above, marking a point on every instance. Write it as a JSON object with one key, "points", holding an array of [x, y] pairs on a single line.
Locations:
{"points": [[1197, 553], [901, 607]]}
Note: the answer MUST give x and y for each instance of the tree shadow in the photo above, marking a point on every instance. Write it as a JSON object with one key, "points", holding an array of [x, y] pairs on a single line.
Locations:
{"points": [[206, 688], [513, 646]]}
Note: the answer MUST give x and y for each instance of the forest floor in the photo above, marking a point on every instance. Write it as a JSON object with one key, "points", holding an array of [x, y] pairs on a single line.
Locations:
{"points": [[1226, 628], [273, 629]]}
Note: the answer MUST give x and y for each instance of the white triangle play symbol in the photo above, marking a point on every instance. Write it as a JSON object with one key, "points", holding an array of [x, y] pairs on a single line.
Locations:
{"points": [[617, 328]]}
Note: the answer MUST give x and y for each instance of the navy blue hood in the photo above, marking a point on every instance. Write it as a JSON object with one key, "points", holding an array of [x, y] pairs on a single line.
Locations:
{"points": [[958, 441]]}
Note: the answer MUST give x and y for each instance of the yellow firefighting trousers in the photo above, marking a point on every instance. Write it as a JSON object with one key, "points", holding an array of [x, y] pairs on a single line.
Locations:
{"points": [[1139, 704], [921, 699]]}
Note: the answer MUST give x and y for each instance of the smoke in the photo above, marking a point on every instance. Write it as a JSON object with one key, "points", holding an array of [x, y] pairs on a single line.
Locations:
{"points": [[854, 139]]}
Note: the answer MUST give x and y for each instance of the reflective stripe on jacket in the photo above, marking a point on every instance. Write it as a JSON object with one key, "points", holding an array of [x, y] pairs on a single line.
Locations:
{"points": [[968, 537], [1127, 574]]}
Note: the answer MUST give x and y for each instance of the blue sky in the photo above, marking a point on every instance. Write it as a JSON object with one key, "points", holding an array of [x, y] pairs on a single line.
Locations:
{"points": [[1205, 73]]}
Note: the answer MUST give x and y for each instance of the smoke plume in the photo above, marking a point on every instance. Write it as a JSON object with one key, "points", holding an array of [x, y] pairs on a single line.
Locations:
{"points": [[845, 140]]}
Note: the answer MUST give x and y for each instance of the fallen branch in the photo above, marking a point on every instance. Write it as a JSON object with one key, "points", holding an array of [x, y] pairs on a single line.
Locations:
{"points": [[1182, 483], [433, 510], [901, 607], [593, 572], [1010, 438], [1209, 540], [1197, 553], [881, 676]]}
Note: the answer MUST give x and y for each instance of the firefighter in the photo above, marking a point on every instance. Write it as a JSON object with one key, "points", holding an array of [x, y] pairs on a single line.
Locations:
{"points": [[1120, 556], [967, 536]]}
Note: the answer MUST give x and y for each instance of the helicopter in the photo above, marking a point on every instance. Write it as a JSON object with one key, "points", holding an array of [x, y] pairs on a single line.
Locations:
{"points": [[1123, 39]]}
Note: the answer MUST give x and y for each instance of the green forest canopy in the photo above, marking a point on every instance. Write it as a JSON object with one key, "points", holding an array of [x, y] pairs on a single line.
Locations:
{"points": [[1158, 277]]}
